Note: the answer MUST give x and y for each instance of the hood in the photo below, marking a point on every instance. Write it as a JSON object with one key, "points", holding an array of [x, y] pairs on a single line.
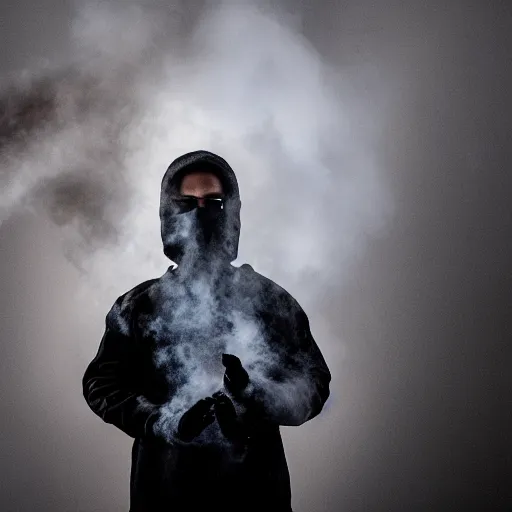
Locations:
{"points": [[175, 226]]}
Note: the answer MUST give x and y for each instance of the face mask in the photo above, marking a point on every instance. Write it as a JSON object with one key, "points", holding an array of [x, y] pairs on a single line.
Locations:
{"points": [[209, 227], [198, 230]]}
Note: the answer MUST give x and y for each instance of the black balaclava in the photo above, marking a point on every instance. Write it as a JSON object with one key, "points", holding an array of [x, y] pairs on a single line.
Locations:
{"points": [[200, 239]]}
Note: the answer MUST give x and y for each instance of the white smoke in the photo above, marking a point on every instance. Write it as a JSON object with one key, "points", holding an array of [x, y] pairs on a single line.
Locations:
{"points": [[244, 84], [88, 144], [194, 323]]}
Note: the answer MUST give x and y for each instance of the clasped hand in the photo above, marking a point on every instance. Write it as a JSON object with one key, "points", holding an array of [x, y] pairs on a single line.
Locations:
{"points": [[219, 405]]}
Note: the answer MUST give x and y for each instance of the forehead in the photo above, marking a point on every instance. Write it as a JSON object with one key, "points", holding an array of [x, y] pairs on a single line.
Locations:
{"points": [[200, 181]]}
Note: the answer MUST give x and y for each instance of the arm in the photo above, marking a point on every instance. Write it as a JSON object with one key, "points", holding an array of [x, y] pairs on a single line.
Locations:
{"points": [[294, 386], [298, 384], [110, 384]]}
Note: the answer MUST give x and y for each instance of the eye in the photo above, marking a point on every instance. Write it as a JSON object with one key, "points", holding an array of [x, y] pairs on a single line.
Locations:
{"points": [[185, 203], [216, 203]]}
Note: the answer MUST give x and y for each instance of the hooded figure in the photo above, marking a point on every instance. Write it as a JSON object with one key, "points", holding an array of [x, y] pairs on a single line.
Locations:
{"points": [[202, 365]]}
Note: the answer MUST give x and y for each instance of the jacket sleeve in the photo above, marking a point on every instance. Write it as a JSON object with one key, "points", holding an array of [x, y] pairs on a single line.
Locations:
{"points": [[296, 385], [110, 384]]}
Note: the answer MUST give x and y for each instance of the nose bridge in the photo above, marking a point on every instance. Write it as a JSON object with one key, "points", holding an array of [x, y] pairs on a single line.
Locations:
{"points": [[200, 202]]}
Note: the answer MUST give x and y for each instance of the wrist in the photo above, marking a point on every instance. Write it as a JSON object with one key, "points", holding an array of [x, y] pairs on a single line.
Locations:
{"points": [[149, 426]]}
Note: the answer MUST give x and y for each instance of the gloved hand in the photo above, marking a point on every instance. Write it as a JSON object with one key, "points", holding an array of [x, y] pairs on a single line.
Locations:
{"points": [[227, 419], [236, 380], [236, 377], [196, 419]]}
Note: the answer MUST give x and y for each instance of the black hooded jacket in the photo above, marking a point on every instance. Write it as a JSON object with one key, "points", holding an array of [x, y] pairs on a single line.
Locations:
{"points": [[161, 352]]}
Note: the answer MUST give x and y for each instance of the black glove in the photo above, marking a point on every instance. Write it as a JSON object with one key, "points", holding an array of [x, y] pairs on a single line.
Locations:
{"points": [[236, 377], [227, 419], [236, 380], [196, 419]]}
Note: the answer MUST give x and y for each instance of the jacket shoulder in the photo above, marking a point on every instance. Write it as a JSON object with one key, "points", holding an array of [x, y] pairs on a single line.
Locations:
{"points": [[275, 295], [119, 317]]}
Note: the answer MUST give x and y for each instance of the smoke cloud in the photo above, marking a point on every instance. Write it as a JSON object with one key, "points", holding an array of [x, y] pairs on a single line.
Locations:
{"points": [[86, 142]]}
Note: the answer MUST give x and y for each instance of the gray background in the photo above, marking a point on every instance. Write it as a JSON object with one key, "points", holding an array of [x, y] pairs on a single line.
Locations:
{"points": [[412, 313]]}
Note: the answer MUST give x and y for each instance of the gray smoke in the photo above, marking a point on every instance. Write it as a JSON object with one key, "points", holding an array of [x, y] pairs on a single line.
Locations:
{"points": [[86, 142], [417, 337], [191, 354]]}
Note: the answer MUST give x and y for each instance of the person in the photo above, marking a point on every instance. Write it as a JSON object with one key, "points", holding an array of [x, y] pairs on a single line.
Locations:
{"points": [[202, 365]]}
